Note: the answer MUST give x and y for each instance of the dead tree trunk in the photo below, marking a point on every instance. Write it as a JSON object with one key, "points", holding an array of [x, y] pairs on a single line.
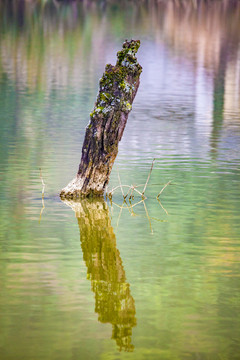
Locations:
{"points": [[117, 89]]}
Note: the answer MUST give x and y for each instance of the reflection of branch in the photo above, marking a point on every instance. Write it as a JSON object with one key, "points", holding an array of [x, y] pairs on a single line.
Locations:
{"points": [[148, 177], [130, 208], [129, 197], [43, 185], [127, 207], [120, 184], [43, 207], [43, 188], [164, 188], [133, 188], [119, 216], [162, 206], [148, 216]]}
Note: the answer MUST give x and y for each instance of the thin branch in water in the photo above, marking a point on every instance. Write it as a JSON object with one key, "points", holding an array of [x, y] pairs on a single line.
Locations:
{"points": [[164, 188], [129, 188], [131, 207], [121, 206], [119, 216], [43, 207], [43, 187], [131, 197], [121, 186], [127, 207], [148, 217], [43, 184], [148, 177], [143, 196], [162, 206], [134, 214], [116, 187]]}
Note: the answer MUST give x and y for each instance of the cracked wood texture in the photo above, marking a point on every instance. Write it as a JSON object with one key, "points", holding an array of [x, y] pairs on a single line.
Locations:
{"points": [[117, 89]]}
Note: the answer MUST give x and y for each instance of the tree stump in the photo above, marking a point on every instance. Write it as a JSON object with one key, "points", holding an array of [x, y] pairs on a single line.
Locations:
{"points": [[117, 89]]}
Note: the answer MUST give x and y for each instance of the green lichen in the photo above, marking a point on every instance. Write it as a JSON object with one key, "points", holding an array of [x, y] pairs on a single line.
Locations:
{"points": [[105, 96], [126, 87], [116, 88], [127, 54], [128, 106]]}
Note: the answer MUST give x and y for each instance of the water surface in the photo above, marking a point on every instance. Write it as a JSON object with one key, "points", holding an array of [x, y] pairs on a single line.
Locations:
{"points": [[153, 281]]}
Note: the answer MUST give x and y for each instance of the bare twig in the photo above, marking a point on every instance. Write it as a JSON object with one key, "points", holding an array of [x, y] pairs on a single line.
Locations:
{"points": [[134, 214], [131, 197], [43, 207], [148, 216], [142, 195], [131, 207], [121, 185], [162, 206], [42, 180], [120, 213], [43, 187], [127, 207], [117, 187], [148, 177], [129, 187], [164, 188]]}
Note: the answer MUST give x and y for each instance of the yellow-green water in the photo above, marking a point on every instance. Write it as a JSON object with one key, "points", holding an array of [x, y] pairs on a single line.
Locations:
{"points": [[157, 280]]}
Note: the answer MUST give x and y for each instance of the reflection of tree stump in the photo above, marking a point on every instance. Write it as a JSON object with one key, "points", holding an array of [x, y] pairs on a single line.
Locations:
{"points": [[117, 89], [114, 303]]}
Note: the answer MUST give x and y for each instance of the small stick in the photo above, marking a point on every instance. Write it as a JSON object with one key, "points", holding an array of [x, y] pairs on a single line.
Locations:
{"points": [[143, 196], [131, 195], [121, 185], [148, 216], [42, 180], [129, 187], [116, 187], [127, 207], [129, 191], [43, 207], [119, 216], [162, 206], [164, 188], [43, 187], [132, 212], [148, 177]]}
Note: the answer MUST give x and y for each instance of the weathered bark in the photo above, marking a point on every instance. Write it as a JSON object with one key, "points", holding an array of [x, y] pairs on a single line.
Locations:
{"points": [[117, 89], [114, 303]]}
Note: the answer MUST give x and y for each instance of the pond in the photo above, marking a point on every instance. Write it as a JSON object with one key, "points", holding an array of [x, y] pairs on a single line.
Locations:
{"points": [[148, 280]]}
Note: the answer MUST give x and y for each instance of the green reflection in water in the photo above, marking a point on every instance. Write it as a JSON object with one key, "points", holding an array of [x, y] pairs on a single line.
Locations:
{"points": [[114, 303]]}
